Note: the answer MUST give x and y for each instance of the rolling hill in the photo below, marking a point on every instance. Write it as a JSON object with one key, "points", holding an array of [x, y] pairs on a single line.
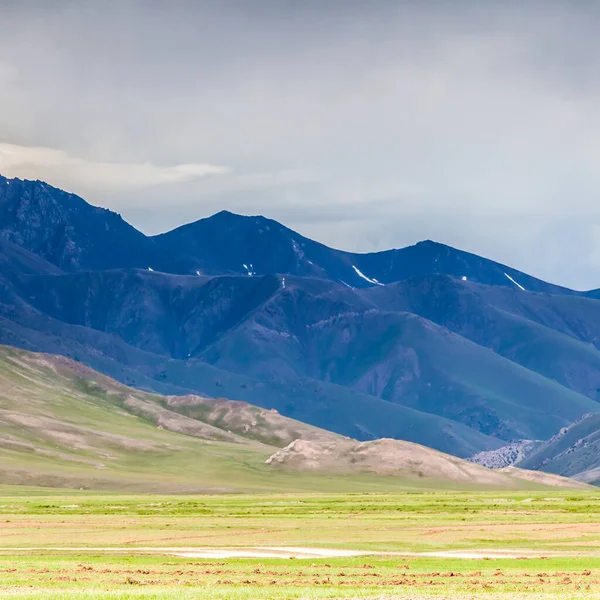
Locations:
{"points": [[400, 459], [63, 425]]}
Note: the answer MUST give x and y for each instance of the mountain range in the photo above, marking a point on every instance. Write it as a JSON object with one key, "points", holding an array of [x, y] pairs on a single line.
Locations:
{"points": [[427, 344]]}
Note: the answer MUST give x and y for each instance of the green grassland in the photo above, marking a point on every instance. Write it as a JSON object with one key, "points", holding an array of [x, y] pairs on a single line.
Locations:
{"points": [[168, 477], [106, 546], [65, 426]]}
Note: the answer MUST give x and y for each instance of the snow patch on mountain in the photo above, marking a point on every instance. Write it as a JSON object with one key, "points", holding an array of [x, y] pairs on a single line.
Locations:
{"points": [[363, 276], [517, 284], [297, 250]]}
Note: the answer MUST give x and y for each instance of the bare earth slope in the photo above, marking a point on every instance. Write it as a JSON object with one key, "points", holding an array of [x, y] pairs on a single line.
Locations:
{"points": [[544, 478], [398, 458], [64, 425]]}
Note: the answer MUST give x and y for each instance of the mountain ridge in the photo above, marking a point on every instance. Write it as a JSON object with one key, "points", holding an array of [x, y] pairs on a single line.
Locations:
{"points": [[49, 222], [427, 343]]}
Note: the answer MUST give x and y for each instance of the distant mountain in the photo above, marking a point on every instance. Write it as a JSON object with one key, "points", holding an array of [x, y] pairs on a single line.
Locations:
{"points": [[150, 330], [15, 260], [428, 344], [309, 331], [234, 244], [557, 336], [73, 235]]}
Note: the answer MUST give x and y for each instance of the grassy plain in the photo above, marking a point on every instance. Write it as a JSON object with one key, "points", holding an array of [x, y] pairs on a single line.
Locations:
{"points": [[119, 547]]}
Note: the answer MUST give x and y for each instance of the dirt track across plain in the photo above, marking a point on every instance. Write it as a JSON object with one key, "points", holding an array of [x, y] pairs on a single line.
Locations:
{"points": [[308, 552]]}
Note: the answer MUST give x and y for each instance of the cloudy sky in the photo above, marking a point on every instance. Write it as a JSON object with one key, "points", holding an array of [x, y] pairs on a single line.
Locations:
{"points": [[363, 124]]}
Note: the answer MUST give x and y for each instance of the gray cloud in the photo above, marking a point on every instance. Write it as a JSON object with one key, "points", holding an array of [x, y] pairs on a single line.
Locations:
{"points": [[363, 124]]}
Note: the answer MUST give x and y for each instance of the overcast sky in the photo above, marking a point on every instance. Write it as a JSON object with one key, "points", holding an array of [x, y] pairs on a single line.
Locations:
{"points": [[362, 124]]}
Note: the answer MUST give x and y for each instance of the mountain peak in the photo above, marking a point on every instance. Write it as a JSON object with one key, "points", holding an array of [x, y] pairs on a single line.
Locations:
{"points": [[223, 217], [229, 216], [68, 232], [430, 243], [225, 214]]}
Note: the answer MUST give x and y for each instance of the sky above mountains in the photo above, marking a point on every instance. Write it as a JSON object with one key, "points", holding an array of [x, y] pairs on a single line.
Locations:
{"points": [[365, 125]]}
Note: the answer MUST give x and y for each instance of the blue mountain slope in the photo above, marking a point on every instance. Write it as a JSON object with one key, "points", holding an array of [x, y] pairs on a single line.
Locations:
{"points": [[573, 451], [557, 336], [69, 233], [334, 407], [313, 330], [401, 358], [427, 343]]}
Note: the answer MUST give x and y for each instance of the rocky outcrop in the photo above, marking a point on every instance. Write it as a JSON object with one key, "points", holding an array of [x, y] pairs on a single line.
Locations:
{"points": [[508, 455]]}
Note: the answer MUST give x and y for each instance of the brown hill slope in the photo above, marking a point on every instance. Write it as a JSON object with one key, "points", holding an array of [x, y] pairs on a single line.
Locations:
{"points": [[64, 425], [401, 459]]}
